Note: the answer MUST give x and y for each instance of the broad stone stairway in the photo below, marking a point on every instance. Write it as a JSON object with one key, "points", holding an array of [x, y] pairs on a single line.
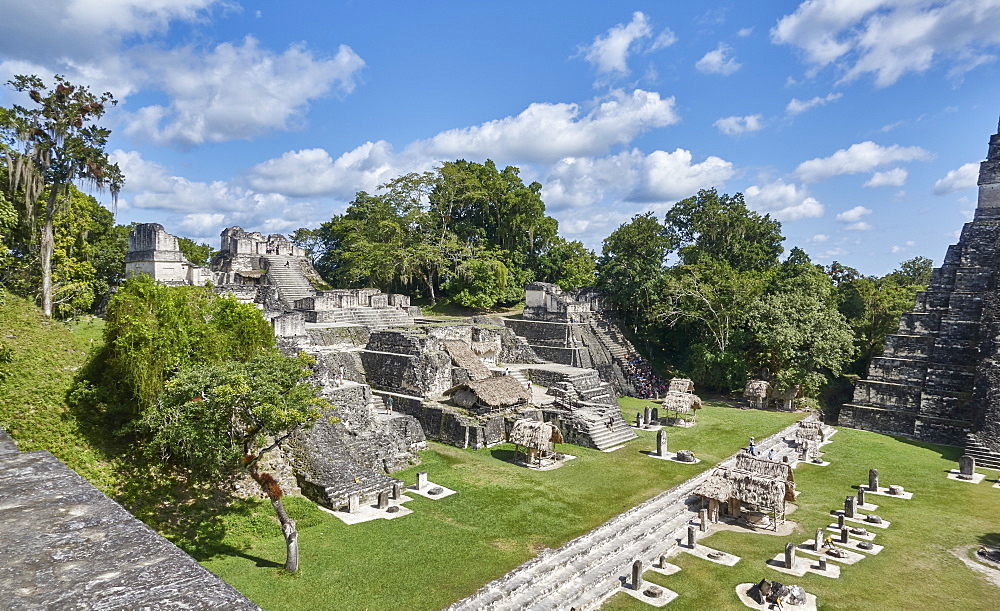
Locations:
{"points": [[286, 274], [585, 572]]}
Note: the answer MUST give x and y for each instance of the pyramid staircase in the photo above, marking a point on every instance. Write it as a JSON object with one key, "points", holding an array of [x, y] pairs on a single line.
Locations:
{"points": [[285, 273], [985, 457]]}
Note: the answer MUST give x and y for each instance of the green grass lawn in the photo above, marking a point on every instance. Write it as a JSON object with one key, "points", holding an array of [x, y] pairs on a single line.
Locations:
{"points": [[502, 516], [33, 410], [914, 571]]}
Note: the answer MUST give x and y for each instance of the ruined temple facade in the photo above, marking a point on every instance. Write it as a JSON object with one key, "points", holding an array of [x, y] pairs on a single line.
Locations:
{"points": [[939, 377]]}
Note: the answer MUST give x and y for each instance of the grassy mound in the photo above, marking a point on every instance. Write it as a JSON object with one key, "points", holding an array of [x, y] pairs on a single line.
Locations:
{"points": [[45, 356]]}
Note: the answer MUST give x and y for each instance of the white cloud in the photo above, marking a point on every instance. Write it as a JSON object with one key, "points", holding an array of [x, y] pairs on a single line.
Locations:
{"points": [[853, 218], [312, 172], [718, 61], [609, 53], [797, 106], [744, 32], [237, 91], [895, 177], [819, 238], [964, 177], [889, 38], [853, 215], [733, 126], [548, 132], [671, 176], [86, 30], [897, 249], [785, 202], [862, 157]]}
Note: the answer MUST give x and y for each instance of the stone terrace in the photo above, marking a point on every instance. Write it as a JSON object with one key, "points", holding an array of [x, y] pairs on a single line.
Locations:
{"points": [[67, 546]]}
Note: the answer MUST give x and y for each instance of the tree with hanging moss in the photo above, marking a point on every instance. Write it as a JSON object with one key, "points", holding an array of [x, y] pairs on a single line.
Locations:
{"points": [[50, 146]]}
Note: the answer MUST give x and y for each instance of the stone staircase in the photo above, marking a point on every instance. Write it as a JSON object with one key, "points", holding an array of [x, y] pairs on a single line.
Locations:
{"points": [[518, 375], [285, 273], [605, 438], [371, 318], [377, 404], [985, 458]]}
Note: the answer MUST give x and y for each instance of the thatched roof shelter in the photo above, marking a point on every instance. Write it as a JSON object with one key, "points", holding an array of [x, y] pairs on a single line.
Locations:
{"points": [[757, 389], [766, 468], [681, 402], [534, 434], [492, 393], [681, 385], [766, 492], [809, 430], [463, 356]]}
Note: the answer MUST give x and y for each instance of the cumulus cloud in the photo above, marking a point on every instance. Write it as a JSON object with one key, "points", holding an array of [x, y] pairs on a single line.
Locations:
{"points": [[797, 106], [238, 91], [819, 238], [895, 177], [853, 218], [548, 132], [964, 177], [785, 202], [667, 176], [734, 126], [609, 53], [313, 172], [718, 61], [861, 157], [889, 38], [202, 209]]}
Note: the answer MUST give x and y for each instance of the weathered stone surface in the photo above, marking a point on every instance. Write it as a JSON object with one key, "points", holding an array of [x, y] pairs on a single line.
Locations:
{"points": [[67, 546]]}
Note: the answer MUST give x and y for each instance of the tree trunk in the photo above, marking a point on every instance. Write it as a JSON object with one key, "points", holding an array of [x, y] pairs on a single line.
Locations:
{"points": [[48, 245], [291, 536]]}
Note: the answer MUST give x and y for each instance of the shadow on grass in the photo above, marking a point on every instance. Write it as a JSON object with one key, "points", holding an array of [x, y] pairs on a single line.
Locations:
{"points": [[503, 454]]}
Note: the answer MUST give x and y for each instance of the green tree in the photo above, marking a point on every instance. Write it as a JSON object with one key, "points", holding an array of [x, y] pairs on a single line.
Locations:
{"points": [[632, 264], [873, 308], [56, 144], [568, 264], [199, 254], [799, 337], [722, 228], [913, 272], [153, 331], [215, 419]]}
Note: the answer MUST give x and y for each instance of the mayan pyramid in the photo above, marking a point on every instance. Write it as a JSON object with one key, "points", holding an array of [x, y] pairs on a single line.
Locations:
{"points": [[939, 377]]}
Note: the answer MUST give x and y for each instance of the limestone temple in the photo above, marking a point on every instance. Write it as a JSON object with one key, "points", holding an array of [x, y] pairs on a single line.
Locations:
{"points": [[939, 377]]}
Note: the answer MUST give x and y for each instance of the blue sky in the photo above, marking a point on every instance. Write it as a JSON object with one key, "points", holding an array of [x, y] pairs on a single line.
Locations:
{"points": [[857, 123]]}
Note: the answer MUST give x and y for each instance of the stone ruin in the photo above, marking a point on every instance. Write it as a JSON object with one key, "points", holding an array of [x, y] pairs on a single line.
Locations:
{"points": [[938, 379], [397, 380]]}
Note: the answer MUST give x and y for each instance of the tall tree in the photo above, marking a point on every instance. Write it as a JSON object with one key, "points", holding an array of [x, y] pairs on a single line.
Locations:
{"points": [[632, 263], [55, 144]]}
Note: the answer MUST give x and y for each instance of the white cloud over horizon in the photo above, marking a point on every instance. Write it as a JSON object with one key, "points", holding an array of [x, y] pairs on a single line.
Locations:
{"points": [[785, 202], [895, 177], [858, 158]]}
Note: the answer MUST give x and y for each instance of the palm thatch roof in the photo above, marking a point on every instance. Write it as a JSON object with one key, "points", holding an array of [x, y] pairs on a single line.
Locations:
{"points": [[493, 393], [757, 389], [681, 385], [726, 483], [463, 356], [534, 434], [766, 468], [681, 402], [809, 430], [792, 392]]}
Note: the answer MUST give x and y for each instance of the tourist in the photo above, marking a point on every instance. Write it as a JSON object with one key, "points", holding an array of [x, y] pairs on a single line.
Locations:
{"points": [[388, 405], [611, 421], [770, 454], [340, 380]]}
